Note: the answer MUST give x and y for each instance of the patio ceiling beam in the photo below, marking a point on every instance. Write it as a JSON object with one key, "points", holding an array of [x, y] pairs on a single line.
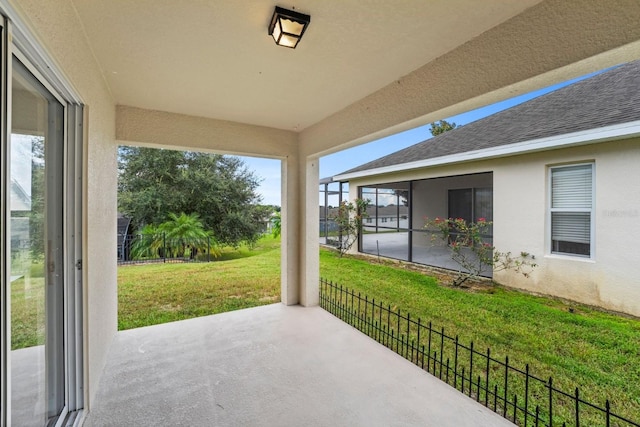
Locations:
{"points": [[159, 129]]}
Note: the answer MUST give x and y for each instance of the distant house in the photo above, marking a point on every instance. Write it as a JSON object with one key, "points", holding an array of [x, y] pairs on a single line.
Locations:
{"points": [[558, 175]]}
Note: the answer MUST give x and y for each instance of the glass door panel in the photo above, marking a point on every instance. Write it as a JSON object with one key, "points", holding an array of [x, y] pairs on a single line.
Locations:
{"points": [[36, 278], [460, 204]]}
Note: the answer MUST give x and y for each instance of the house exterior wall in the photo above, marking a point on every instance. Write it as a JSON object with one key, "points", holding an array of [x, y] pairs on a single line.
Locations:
{"points": [[55, 23], [611, 277]]}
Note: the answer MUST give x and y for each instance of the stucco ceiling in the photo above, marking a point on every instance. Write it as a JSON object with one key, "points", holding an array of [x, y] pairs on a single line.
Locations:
{"points": [[214, 58]]}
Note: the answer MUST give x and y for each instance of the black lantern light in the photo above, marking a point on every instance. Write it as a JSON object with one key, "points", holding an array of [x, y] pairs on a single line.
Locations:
{"points": [[287, 27]]}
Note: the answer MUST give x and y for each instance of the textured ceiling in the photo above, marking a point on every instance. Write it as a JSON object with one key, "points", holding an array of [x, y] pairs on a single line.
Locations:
{"points": [[214, 58]]}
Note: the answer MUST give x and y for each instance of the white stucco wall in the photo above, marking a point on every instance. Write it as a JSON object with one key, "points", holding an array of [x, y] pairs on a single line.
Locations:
{"points": [[611, 278], [56, 25]]}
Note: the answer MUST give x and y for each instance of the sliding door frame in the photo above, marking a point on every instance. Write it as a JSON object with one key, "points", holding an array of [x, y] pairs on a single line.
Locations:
{"points": [[16, 40]]}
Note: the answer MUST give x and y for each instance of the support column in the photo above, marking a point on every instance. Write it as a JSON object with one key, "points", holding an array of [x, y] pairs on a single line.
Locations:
{"points": [[289, 234], [309, 231], [300, 265]]}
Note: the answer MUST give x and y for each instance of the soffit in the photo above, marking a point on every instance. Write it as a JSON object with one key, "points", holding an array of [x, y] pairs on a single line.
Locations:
{"points": [[215, 59]]}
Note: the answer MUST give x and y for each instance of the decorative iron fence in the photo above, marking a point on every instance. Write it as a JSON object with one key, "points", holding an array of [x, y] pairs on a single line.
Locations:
{"points": [[515, 393], [134, 249]]}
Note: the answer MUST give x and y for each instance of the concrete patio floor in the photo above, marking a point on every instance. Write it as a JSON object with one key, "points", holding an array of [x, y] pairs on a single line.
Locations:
{"points": [[270, 366]]}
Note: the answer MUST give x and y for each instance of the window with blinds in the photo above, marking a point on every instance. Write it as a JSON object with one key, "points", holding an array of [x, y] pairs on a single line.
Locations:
{"points": [[571, 209]]}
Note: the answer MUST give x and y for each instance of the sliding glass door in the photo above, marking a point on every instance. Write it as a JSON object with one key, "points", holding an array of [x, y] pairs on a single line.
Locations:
{"points": [[41, 315], [36, 250]]}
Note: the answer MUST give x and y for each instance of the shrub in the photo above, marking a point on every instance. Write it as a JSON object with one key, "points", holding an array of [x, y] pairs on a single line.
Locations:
{"points": [[470, 250]]}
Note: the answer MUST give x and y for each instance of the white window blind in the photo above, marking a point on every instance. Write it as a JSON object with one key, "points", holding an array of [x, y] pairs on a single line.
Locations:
{"points": [[571, 227], [571, 208], [571, 187]]}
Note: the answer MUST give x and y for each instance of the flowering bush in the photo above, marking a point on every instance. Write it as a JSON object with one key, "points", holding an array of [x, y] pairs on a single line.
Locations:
{"points": [[466, 242], [349, 221]]}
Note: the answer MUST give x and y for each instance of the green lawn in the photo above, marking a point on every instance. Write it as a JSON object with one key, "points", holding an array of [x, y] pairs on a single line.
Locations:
{"points": [[27, 312], [159, 293], [575, 344], [27, 305]]}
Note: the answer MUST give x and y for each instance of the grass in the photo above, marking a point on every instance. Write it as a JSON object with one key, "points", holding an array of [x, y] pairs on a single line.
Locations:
{"points": [[27, 308], [27, 312], [577, 345], [159, 293]]}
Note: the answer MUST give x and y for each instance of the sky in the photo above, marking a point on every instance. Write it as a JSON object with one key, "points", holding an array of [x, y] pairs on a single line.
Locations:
{"points": [[269, 170]]}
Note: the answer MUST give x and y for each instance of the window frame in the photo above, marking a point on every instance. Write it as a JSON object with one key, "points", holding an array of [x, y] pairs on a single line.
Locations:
{"points": [[590, 211]]}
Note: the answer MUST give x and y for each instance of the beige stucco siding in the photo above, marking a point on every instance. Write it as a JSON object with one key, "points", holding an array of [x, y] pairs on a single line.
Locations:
{"points": [[611, 277]]}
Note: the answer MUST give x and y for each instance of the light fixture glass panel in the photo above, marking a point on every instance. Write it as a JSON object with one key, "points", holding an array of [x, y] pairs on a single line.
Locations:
{"points": [[288, 41], [291, 27], [276, 31]]}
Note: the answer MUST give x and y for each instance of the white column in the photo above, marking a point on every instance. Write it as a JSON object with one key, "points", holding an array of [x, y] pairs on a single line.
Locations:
{"points": [[290, 211], [309, 231]]}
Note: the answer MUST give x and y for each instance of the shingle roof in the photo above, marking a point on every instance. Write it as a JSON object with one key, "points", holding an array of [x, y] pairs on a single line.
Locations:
{"points": [[609, 98]]}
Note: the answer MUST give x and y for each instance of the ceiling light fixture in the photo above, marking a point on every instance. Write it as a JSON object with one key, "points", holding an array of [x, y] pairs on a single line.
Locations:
{"points": [[287, 27]]}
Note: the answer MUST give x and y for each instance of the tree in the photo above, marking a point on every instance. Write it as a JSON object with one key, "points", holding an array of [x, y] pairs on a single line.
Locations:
{"points": [[185, 235], [181, 236], [153, 183], [441, 126], [148, 244], [277, 225]]}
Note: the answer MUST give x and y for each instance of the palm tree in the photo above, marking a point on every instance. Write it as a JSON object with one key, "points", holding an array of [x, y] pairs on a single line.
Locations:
{"points": [[185, 235], [148, 243]]}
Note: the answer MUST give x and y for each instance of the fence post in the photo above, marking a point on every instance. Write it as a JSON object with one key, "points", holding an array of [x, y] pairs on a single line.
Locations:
{"points": [[577, 408], [208, 248], [470, 368], [526, 394], [164, 247], [441, 350], [455, 366], [429, 348], [486, 391], [506, 383], [550, 401]]}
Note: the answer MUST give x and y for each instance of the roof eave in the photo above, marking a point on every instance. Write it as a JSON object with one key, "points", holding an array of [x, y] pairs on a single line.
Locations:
{"points": [[591, 136]]}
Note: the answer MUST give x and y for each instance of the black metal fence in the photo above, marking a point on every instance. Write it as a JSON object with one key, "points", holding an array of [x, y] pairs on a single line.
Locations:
{"points": [[134, 249], [513, 392]]}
